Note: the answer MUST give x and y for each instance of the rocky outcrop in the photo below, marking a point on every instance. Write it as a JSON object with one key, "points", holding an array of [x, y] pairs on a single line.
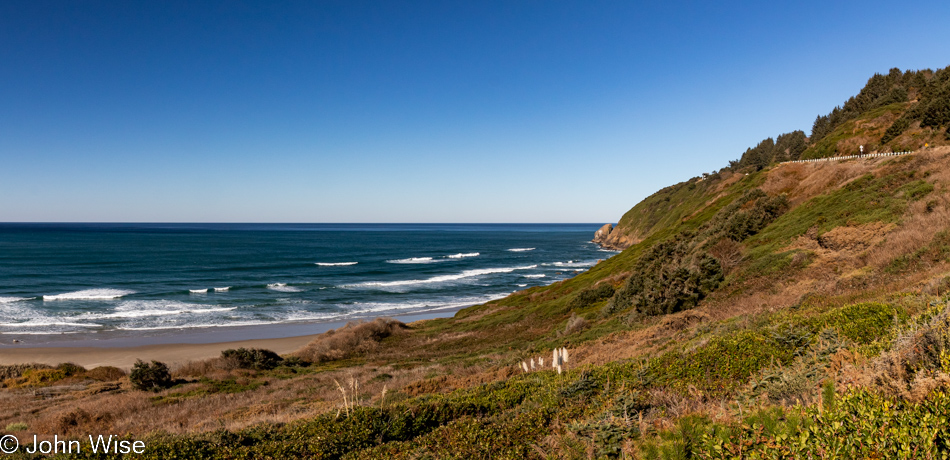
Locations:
{"points": [[609, 237], [600, 236]]}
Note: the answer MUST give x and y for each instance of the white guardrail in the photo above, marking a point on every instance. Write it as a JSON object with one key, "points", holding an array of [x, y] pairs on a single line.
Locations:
{"points": [[850, 157]]}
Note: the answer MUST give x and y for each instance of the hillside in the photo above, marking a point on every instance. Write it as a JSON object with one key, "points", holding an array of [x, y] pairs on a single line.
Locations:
{"points": [[897, 112], [768, 310]]}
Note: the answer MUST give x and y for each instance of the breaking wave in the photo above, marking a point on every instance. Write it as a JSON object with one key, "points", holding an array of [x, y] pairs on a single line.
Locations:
{"points": [[442, 278], [90, 294], [283, 287], [335, 264], [13, 299], [413, 260], [521, 249]]}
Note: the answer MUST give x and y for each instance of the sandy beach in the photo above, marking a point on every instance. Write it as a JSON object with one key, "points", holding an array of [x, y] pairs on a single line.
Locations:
{"points": [[123, 357], [177, 349]]}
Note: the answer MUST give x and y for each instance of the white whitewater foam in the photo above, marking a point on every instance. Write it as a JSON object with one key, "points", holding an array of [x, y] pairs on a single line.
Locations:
{"points": [[373, 307], [573, 264], [413, 260], [283, 287], [300, 315], [442, 278], [147, 313], [41, 332], [461, 255], [198, 291], [47, 322], [90, 294], [13, 299], [152, 308], [522, 285], [193, 325], [336, 264], [222, 289], [521, 249], [541, 275]]}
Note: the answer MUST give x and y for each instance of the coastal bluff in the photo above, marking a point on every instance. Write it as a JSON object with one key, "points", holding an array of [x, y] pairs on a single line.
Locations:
{"points": [[608, 237]]}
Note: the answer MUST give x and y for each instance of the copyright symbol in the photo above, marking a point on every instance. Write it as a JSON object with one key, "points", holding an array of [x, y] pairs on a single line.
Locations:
{"points": [[9, 444]]}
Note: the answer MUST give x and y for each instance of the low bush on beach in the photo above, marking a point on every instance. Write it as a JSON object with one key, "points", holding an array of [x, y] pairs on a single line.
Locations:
{"points": [[251, 358], [354, 339], [152, 377]]}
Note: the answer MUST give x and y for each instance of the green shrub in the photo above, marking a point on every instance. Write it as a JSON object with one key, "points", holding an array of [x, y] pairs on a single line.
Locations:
{"points": [[865, 322], [592, 295], [585, 386], [252, 358], [898, 127], [858, 424], [721, 364], [70, 369], [676, 274], [151, 377]]}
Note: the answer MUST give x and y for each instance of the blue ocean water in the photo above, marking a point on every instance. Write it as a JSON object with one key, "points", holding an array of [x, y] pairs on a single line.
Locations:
{"points": [[102, 279]]}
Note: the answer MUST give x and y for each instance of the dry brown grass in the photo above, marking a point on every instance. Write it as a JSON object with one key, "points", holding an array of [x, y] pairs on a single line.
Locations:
{"points": [[106, 374], [803, 181], [120, 409], [354, 339]]}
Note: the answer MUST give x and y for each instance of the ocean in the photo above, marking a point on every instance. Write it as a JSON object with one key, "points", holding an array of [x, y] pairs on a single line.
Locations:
{"points": [[95, 281]]}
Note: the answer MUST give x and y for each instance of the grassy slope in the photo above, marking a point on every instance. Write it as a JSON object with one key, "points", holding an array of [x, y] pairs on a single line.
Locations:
{"points": [[768, 354]]}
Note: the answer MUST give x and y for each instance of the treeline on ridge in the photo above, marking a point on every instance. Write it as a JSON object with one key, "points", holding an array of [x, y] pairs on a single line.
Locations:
{"points": [[928, 90]]}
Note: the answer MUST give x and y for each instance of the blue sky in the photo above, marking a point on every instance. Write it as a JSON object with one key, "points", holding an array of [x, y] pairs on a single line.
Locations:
{"points": [[350, 111]]}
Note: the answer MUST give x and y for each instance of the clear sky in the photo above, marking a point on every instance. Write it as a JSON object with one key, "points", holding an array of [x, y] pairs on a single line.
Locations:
{"points": [[385, 111]]}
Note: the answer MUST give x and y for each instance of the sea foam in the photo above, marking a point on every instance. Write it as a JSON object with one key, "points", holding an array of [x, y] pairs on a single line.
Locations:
{"points": [[461, 255], [283, 287], [541, 275], [43, 322], [573, 263], [335, 264], [375, 307], [443, 278], [413, 260], [90, 294], [521, 249], [222, 289], [13, 299], [151, 308], [198, 291]]}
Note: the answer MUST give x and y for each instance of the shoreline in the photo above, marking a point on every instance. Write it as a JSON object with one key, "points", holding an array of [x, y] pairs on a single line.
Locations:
{"points": [[177, 349]]}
